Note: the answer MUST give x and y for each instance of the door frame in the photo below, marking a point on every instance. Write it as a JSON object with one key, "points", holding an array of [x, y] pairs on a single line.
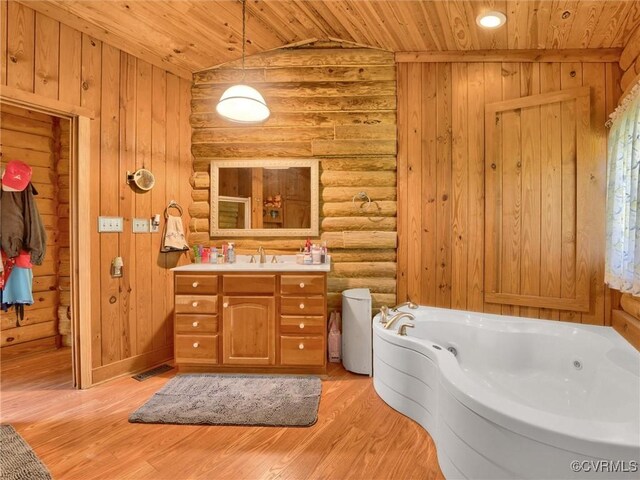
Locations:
{"points": [[80, 226]]}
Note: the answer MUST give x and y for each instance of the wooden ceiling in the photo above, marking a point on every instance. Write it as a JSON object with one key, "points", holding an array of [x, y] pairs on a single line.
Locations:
{"points": [[192, 35]]}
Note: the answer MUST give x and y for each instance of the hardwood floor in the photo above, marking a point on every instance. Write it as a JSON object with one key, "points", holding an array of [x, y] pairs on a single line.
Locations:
{"points": [[86, 435]]}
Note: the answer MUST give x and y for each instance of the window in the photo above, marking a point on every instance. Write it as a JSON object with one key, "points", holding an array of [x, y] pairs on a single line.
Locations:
{"points": [[622, 257]]}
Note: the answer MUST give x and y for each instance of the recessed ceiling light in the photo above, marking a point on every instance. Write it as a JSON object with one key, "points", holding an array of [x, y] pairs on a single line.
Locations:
{"points": [[491, 19]]}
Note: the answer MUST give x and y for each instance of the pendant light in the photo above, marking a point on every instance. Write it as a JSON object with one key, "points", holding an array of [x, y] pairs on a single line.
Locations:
{"points": [[242, 103]]}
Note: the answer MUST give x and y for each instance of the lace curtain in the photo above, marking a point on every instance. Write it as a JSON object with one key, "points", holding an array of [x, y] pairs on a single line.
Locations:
{"points": [[622, 257]]}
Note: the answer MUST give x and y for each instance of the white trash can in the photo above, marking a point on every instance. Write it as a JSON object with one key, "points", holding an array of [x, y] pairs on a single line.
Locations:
{"points": [[356, 331]]}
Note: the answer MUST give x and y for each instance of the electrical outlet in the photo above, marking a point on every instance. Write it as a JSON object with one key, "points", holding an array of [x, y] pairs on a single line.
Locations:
{"points": [[140, 225], [110, 224]]}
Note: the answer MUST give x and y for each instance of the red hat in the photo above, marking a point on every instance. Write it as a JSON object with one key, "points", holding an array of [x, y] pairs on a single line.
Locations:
{"points": [[16, 176]]}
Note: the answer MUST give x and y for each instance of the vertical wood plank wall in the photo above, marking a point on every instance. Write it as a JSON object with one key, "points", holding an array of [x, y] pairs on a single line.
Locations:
{"points": [[441, 179], [142, 117], [329, 102], [34, 138]]}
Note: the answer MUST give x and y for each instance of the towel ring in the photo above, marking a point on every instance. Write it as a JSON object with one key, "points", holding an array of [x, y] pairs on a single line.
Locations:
{"points": [[172, 204], [364, 198]]}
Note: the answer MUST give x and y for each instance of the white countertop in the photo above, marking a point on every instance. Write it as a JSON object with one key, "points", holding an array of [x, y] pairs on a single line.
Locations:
{"points": [[286, 263]]}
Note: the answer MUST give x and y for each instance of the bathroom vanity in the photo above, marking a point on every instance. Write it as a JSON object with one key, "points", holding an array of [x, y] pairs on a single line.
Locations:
{"points": [[251, 317]]}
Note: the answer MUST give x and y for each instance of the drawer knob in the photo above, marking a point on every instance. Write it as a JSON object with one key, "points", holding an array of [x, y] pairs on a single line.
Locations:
{"points": [[194, 304], [195, 284], [195, 324], [301, 325], [302, 306], [301, 346], [301, 284], [225, 304], [196, 345]]}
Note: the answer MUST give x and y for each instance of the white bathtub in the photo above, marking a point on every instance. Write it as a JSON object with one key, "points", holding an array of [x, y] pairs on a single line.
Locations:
{"points": [[522, 398]]}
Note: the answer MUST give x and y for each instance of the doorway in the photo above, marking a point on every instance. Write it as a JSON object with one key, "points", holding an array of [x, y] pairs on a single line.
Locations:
{"points": [[42, 142], [51, 138]]}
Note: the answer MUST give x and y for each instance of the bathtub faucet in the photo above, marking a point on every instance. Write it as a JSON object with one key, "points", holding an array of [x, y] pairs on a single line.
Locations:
{"points": [[403, 328], [384, 314], [409, 303], [397, 317]]}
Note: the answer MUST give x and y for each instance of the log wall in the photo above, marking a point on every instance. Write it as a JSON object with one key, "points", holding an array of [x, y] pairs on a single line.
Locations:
{"points": [[141, 118], [34, 138], [630, 62], [328, 102], [441, 161]]}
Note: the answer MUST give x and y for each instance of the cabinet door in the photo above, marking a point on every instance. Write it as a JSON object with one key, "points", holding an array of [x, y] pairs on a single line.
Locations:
{"points": [[248, 330]]}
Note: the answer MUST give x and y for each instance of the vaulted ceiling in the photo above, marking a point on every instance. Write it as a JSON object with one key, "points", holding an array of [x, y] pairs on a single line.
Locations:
{"points": [[191, 35]]}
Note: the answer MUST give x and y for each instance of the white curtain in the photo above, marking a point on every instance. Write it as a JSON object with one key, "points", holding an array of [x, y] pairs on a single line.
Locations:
{"points": [[622, 258]]}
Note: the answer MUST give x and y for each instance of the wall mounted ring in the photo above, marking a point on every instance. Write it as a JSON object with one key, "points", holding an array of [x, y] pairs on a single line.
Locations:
{"points": [[172, 204], [364, 198]]}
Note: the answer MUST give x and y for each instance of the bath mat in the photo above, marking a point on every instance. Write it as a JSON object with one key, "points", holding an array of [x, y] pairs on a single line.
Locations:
{"points": [[213, 399], [18, 461]]}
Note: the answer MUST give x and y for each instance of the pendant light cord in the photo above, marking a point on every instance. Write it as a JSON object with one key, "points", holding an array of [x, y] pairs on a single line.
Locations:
{"points": [[244, 33]]}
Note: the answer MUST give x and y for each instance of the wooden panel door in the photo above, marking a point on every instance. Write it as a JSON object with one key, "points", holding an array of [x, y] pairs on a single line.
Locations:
{"points": [[248, 330], [536, 206]]}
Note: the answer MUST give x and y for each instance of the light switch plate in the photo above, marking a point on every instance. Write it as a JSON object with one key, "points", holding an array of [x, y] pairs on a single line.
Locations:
{"points": [[140, 225], [110, 224]]}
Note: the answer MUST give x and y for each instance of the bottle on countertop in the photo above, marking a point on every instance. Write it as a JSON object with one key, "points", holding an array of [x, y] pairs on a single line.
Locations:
{"points": [[213, 255], [231, 253], [323, 252], [316, 253]]}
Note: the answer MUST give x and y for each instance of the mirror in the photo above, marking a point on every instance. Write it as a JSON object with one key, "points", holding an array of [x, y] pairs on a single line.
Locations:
{"points": [[258, 197]]}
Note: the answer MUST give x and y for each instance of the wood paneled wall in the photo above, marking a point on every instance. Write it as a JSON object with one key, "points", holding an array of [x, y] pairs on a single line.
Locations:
{"points": [[329, 102], [441, 176], [34, 138], [141, 118]]}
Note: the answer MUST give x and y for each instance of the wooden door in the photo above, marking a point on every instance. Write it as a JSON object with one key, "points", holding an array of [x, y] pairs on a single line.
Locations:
{"points": [[248, 330], [536, 206]]}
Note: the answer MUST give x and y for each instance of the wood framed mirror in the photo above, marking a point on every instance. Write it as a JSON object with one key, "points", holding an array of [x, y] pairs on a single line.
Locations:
{"points": [[282, 195]]}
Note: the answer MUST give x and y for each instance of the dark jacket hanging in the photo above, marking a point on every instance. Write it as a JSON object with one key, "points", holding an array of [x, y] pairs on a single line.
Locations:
{"points": [[21, 227]]}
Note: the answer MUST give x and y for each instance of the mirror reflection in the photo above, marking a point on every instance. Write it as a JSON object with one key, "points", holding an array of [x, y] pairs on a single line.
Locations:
{"points": [[276, 197]]}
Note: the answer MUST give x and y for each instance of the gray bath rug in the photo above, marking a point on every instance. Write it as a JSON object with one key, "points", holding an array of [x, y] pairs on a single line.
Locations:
{"points": [[212, 399], [17, 460]]}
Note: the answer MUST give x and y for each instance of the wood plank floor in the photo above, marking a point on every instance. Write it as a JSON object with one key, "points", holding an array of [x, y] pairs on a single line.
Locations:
{"points": [[85, 434]]}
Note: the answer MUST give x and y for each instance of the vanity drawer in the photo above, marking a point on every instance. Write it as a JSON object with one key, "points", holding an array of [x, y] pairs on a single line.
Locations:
{"points": [[302, 350], [196, 284], [302, 305], [196, 324], [248, 284], [301, 284], [199, 304], [301, 324], [196, 348]]}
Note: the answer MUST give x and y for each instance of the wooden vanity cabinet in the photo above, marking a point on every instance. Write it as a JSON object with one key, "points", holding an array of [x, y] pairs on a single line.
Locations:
{"points": [[251, 322], [196, 319]]}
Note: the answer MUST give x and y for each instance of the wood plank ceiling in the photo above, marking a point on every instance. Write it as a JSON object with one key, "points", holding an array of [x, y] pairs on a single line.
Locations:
{"points": [[192, 35]]}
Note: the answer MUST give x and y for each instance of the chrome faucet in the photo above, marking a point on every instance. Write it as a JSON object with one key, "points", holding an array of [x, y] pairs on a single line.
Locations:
{"points": [[384, 314], [409, 303], [263, 256], [397, 317]]}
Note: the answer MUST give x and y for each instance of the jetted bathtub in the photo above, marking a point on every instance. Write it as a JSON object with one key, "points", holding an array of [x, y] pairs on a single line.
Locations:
{"points": [[508, 397]]}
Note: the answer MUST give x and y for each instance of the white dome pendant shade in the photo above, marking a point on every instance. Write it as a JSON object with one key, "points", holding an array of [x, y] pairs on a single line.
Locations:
{"points": [[242, 104]]}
